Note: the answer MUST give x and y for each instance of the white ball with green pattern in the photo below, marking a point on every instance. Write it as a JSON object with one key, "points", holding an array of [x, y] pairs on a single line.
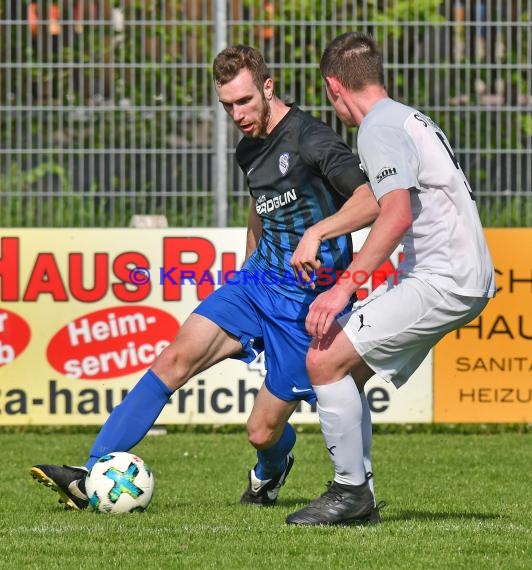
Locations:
{"points": [[120, 482]]}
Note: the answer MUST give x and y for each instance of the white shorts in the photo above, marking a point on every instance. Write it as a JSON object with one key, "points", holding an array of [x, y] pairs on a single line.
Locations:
{"points": [[395, 327]]}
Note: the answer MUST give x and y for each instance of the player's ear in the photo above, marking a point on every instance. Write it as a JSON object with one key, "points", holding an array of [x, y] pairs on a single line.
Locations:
{"points": [[333, 86], [268, 89]]}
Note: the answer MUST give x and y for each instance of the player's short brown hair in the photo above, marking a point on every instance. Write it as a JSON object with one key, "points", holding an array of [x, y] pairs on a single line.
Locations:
{"points": [[354, 59], [230, 61]]}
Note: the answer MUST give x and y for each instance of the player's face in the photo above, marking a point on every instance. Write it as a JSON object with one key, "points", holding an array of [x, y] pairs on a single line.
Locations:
{"points": [[245, 104]]}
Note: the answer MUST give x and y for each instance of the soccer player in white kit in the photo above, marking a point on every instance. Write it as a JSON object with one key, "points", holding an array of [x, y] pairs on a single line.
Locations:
{"points": [[445, 279]]}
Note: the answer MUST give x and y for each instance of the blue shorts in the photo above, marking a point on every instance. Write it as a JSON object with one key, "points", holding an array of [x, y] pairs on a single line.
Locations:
{"points": [[264, 320]]}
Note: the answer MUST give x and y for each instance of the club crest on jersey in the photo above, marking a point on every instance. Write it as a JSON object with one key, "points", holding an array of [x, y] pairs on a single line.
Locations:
{"points": [[385, 172], [284, 163]]}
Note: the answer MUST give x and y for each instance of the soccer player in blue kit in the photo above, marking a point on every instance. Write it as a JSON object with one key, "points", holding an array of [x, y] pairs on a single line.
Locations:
{"points": [[307, 194]]}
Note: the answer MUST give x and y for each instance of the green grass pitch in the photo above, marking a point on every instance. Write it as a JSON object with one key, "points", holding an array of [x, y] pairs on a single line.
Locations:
{"points": [[453, 501]]}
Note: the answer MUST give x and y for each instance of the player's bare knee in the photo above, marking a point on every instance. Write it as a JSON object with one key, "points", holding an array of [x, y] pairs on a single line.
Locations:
{"points": [[318, 367], [172, 366], [261, 437]]}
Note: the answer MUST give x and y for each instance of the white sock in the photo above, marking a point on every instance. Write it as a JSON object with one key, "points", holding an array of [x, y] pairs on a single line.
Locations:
{"points": [[340, 412], [367, 433]]}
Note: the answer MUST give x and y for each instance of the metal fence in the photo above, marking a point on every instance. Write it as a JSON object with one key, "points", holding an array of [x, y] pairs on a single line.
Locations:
{"points": [[107, 106]]}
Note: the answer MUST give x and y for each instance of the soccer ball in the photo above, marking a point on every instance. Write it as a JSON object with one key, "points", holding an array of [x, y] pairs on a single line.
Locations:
{"points": [[120, 482]]}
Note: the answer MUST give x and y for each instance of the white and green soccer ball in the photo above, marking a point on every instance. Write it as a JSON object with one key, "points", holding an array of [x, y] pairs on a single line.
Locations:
{"points": [[120, 482]]}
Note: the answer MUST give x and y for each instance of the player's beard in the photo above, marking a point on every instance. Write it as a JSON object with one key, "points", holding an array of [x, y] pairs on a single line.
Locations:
{"points": [[261, 125], [264, 119]]}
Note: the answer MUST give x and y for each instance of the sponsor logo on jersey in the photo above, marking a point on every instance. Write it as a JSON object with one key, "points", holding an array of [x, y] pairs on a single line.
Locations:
{"points": [[266, 205], [284, 163], [385, 172], [425, 121]]}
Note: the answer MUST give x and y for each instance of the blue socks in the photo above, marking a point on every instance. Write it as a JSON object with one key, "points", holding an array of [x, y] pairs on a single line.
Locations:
{"points": [[272, 461], [130, 421]]}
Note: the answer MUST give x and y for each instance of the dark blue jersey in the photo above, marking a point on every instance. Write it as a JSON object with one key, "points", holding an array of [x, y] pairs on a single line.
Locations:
{"points": [[299, 174]]}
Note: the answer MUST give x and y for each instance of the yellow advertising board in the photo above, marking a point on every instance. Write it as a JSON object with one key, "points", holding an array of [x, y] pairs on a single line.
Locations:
{"points": [[84, 312], [483, 371]]}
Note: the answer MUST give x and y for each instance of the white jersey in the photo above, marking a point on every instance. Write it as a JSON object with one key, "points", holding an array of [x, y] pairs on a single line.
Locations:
{"points": [[399, 147]]}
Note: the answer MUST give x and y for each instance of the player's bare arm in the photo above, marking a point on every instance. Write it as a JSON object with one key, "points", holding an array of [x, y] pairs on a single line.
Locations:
{"points": [[254, 229], [394, 218], [358, 212]]}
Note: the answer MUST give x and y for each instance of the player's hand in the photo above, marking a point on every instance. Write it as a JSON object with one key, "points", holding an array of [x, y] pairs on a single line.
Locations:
{"points": [[305, 260], [323, 310]]}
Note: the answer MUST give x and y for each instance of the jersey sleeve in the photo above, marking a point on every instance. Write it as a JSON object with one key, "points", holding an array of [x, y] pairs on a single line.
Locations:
{"points": [[389, 159], [325, 151]]}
